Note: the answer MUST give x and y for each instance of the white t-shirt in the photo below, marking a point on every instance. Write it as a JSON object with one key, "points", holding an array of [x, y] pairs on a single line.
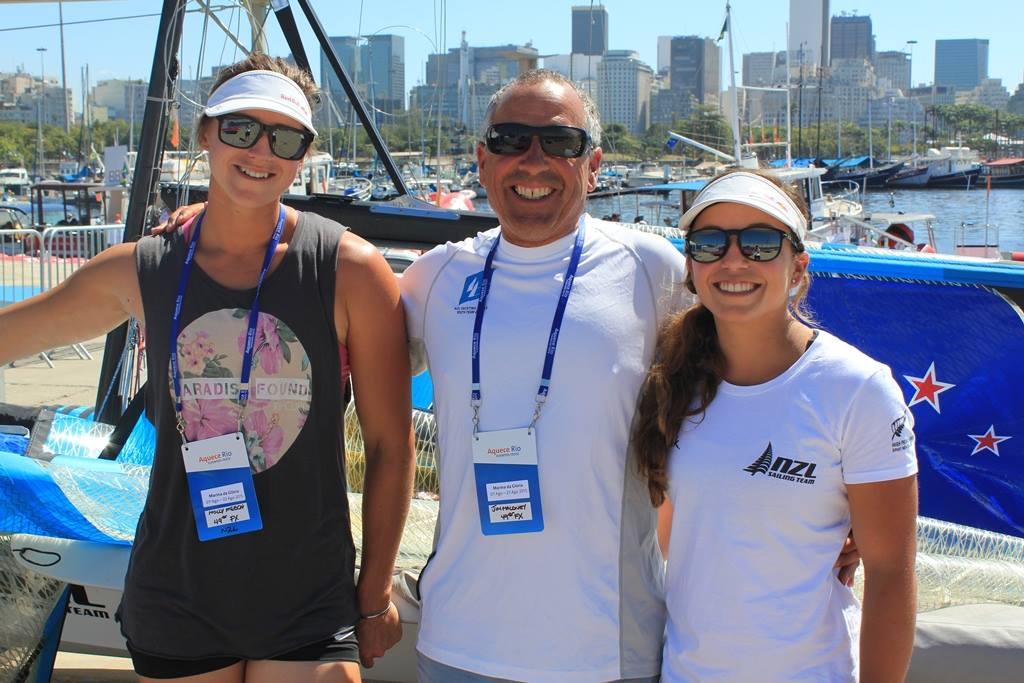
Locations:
{"points": [[581, 600], [759, 489]]}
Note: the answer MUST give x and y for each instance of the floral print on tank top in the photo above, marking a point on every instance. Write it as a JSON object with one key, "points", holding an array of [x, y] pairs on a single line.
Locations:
{"points": [[210, 356]]}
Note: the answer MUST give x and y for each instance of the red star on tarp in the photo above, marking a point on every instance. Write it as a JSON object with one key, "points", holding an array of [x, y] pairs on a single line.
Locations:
{"points": [[988, 441], [927, 388]]}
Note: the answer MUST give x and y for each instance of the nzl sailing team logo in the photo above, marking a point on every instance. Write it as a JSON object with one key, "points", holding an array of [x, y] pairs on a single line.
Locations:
{"points": [[782, 468]]}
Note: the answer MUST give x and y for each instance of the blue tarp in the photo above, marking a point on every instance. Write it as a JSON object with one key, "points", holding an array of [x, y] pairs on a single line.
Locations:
{"points": [[12, 443], [804, 162], [853, 162], [688, 185]]}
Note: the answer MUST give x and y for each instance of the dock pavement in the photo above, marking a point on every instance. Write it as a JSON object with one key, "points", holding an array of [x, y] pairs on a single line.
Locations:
{"points": [[71, 381]]}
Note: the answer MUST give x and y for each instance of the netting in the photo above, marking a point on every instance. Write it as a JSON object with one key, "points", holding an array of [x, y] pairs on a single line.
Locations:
{"points": [[26, 600], [959, 565], [666, 231], [418, 535], [936, 537], [110, 495]]}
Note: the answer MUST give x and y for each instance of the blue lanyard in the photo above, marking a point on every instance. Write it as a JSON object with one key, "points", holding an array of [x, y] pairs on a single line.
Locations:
{"points": [[556, 325], [254, 314]]}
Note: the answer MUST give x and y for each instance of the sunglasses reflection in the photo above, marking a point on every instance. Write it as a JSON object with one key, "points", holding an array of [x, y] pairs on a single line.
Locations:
{"points": [[758, 243]]}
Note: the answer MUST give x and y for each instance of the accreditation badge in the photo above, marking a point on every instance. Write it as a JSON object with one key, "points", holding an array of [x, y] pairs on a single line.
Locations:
{"points": [[507, 481], [220, 487]]}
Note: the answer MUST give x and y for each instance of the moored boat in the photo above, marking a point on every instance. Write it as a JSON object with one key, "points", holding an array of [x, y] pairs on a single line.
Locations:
{"points": [[864, 170], [954, 167], [1004, 172], [914, 176]]}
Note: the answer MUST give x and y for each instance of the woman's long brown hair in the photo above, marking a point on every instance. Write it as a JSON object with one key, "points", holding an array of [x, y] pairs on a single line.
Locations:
{"points": [[687, 370]]}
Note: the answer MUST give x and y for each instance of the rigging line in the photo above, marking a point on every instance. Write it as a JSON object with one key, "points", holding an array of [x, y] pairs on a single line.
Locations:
{"points": [[194, 157], [261, 37], [208, 12], [236, 17], [179, 92], [168, 103], [223, 46], [91, 21]]}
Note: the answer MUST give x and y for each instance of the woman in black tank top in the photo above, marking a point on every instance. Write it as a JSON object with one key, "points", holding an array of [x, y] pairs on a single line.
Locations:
{"points": [[256, 316]]}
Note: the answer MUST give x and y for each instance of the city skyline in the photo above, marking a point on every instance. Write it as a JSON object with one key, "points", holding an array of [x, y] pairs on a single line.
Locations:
{"points": [[759, 27]]}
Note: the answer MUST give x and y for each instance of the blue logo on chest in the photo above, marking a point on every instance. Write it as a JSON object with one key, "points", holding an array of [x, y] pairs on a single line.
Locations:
{"points": [[471, 288]]}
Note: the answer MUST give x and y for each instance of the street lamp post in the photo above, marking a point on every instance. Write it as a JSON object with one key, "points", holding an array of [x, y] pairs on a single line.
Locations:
{"points": [[39, 123]]}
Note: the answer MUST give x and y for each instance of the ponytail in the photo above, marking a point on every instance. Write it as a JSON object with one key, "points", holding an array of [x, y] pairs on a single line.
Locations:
{"points": [[682, 382]]}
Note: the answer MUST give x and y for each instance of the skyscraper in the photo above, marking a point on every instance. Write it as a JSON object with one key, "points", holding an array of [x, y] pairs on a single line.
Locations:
{"points": [[664, 54], [764, 68], [376, 64], [589, 30], [695, 72], [624, 90], [851, 38], [962, 64], [463, 96], [894, 66], [809, 32]]}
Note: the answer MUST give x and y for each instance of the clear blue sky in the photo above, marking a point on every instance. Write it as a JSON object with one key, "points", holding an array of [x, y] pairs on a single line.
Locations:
{"points": [[124, 48]]}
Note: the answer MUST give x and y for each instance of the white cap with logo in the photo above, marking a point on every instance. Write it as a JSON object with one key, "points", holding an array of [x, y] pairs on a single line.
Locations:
{"points": [[754, 191], [260, 89]]}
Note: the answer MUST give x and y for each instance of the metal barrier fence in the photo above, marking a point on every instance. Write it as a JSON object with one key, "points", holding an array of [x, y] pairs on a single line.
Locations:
{"points": [[32, 262]]}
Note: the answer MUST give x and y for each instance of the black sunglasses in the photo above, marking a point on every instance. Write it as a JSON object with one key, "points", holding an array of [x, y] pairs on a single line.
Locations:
{"points": [[511, 139], [757, 243], [243, 132]]}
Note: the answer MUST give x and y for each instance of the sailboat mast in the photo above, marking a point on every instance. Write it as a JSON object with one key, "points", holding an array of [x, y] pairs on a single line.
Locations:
{"points": [[789, 106], [871, 146], [147, 172], [732, 89]]}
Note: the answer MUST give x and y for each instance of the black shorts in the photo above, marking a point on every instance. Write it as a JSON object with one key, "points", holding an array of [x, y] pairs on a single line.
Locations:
{"points": [[333, 649]]}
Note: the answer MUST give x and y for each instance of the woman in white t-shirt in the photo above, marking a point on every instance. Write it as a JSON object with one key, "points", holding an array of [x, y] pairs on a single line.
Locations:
{"points": [[771, 440]]}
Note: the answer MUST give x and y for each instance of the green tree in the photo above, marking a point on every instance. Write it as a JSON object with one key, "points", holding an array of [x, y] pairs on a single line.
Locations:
{"points": [[617, 140]]}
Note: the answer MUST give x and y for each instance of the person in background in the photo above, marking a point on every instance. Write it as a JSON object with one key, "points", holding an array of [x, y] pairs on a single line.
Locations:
{"points": [[256, 317], [770, 440]]}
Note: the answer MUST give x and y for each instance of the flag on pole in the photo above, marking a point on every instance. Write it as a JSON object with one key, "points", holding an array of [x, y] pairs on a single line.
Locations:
{"points": [[725, 27]]}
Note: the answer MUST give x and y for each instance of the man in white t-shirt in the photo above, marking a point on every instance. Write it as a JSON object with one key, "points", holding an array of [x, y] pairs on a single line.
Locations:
{"points": [[546, 566]]}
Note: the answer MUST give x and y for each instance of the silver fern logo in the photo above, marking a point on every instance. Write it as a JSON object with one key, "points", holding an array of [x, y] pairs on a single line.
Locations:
{"points": [[761, 465]]}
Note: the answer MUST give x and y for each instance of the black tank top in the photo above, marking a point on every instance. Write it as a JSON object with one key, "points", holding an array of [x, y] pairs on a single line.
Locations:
{"points": [[259, 594]]}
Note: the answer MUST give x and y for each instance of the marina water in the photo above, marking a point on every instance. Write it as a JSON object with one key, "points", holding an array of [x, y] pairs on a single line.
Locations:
{"points": [[951, 207]]}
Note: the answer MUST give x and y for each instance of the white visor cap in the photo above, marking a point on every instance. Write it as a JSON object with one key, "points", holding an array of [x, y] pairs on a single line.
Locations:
{"points": [[265, 90], [754, 191]]}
